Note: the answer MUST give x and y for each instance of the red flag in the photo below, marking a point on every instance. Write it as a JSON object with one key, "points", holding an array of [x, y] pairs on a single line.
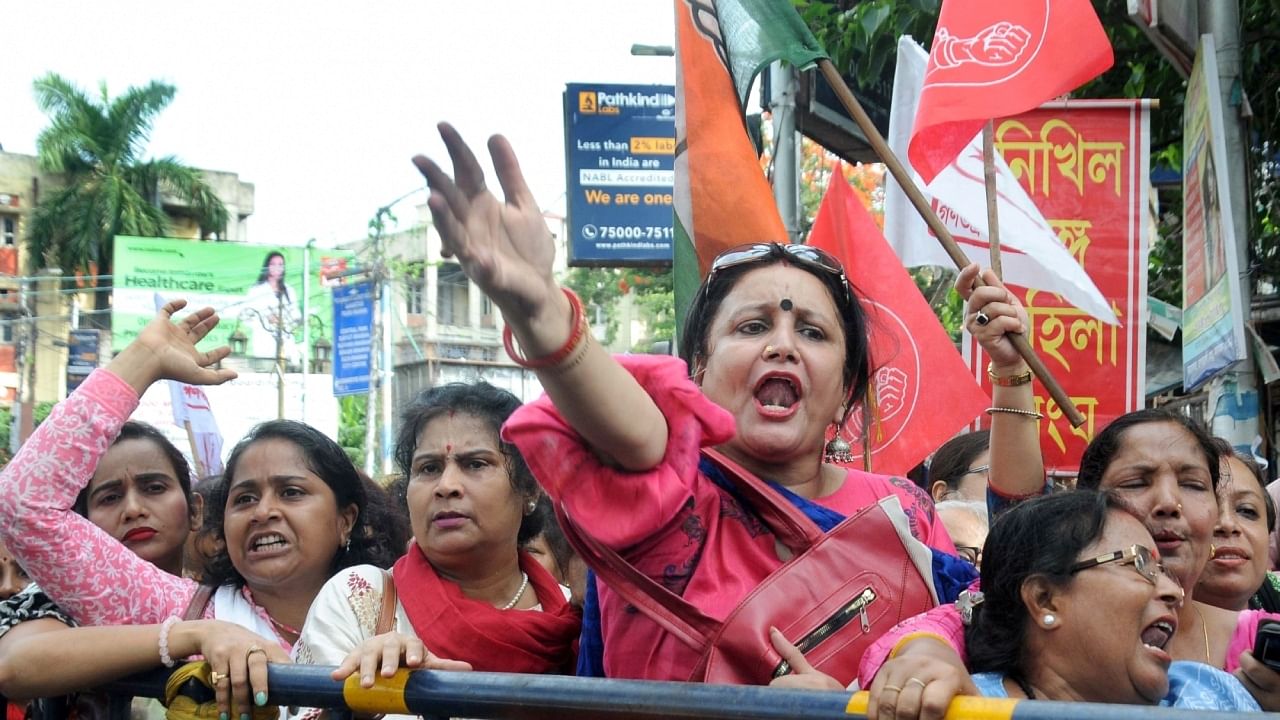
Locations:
{"points": [[995, 59], [923, 391]]}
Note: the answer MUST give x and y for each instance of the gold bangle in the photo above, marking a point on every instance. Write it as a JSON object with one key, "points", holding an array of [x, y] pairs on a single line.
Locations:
{"points": [[1015, 411], [1021, 378]]}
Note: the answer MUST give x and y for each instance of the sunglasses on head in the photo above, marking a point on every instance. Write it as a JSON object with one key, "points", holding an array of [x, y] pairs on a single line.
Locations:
{"points": [[805, 255]]}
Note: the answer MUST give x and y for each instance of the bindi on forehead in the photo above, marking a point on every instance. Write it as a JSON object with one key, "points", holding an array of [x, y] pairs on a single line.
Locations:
{"points": [[786, 305]]}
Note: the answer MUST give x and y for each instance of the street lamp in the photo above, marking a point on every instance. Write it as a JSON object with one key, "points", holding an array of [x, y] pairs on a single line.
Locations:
{"points": [[273, 323]]}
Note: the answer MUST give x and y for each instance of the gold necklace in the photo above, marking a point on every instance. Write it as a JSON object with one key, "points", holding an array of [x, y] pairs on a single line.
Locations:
{"points": [[1204, 628]]}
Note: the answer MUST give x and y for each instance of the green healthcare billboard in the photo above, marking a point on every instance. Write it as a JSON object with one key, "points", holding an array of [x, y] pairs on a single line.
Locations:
{"points": [[255, 288]]}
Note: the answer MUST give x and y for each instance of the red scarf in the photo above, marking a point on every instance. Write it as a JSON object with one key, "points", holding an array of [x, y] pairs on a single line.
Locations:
{"points": [[456, 627]]}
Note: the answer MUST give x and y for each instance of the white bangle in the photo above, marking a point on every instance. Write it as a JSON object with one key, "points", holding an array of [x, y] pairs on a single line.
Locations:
{"points": [[165, 627]]}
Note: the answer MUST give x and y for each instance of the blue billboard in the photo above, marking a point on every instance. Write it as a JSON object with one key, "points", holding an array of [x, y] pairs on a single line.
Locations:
{"points": [[353, 338], [620, 143]]}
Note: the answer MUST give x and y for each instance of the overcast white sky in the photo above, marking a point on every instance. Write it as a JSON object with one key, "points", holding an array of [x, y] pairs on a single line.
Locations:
{"points": [[321, 103]]}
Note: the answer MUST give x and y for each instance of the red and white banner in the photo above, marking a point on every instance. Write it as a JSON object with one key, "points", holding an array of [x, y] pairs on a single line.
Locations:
{"points": [[923, 392], [991, 59], [1085, 166]]}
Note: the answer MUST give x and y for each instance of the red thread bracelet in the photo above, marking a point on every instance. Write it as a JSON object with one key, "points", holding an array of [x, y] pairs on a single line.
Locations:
{"points": [[555, 358]]}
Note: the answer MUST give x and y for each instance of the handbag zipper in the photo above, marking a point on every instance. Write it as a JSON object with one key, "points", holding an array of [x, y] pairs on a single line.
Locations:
{"points": [[857, 606]]}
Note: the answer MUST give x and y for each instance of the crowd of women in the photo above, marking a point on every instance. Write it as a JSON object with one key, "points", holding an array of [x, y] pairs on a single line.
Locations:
{"points": [[649, 517]]}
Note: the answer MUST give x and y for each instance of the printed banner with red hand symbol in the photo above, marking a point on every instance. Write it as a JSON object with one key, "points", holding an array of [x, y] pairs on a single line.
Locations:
{"points": [[924, 391], [994, 59]]}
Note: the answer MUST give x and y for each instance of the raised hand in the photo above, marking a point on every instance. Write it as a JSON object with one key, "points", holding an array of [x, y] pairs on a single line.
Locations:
{"points": [[1003, 314], [502, 245], [166, 350]]}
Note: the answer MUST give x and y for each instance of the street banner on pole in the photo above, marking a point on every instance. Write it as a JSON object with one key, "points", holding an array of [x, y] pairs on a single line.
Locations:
{"points": [[620, 146], [1213, 335], [353, 328], [83, 356], [1085, 166]]}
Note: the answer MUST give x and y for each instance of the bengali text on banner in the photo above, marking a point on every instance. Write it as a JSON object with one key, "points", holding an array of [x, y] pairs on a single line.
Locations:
{"points": [[1085, 168]]}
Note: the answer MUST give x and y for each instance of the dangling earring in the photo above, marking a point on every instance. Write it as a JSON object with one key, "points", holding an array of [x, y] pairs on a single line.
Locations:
{"points": [[1049, 619], [347, 546], [838, 450]]}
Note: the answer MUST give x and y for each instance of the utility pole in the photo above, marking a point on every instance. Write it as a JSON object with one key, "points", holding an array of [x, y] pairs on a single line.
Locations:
{"points": [[306, 321], [280, 354], [786, 155], [24, 344], [372, 447]]}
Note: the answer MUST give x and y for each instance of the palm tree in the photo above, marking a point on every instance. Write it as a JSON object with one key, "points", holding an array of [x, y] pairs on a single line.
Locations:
{"points": [[97, 146]]}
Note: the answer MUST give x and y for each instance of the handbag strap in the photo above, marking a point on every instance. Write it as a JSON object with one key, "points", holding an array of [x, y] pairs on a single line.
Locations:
{"points": [[199, 601], [387, 613], [673, 613], [789, 524]]}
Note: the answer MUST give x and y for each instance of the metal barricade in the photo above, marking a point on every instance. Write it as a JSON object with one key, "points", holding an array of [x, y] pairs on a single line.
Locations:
{"points": [[543, 697]]}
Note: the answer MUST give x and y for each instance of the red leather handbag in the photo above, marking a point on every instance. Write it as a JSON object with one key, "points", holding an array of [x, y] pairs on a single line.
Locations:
{"points": [[838, 593]]}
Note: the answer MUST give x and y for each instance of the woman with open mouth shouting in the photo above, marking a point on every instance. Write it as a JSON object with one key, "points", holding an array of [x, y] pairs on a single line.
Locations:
{"points": [[776, 355], [1165, 468], [289, 512], [1087, 617]]}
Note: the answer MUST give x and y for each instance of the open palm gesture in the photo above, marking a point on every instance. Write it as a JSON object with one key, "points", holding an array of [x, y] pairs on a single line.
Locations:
{"points": [[166, 350], [504, 246]]}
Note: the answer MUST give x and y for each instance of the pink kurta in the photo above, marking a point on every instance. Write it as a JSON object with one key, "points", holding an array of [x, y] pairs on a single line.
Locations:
{"points": [[672, 519], [91, 576]]}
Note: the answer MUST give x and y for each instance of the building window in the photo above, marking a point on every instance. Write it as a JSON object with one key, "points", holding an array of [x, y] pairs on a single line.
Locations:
{"points": [[486, 312], [414, 289], [8, 230], [451, 298]]}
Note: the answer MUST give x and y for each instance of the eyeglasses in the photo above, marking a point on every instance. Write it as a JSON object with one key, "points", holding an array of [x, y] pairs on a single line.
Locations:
{"points": [[970, 553], [980, 470], [806, 255], [1136, 555]]}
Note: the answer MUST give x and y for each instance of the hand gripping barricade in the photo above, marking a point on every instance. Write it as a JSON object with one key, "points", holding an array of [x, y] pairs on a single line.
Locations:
{"points": [[839, 592]]}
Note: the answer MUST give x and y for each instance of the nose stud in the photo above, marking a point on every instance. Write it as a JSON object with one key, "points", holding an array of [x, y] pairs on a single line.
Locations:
{"points": [[768, 350]]}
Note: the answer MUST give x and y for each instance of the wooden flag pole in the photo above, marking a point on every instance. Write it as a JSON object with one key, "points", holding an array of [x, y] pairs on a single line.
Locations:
{"points": [[195, 450], [993, 211], [931, 219]]}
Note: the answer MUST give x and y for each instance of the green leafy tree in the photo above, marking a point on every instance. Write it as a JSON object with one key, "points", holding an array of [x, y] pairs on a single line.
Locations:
{"points": [[602, 288], [97, 146], [351, 426]]}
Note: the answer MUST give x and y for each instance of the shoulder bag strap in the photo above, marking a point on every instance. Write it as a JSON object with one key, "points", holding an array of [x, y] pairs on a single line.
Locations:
{"points": [[672, 612], [792, 527], [199, 601], [387, 613]]}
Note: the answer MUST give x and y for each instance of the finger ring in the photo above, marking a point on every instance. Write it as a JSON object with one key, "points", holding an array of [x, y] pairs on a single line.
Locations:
{"points": [[216, 678], [982, 318], [255, 649], [894, 688], [923, 684]]}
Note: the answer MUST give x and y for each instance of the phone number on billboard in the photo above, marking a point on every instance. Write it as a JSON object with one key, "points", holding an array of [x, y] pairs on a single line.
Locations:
{"points": [[627, 232]]}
